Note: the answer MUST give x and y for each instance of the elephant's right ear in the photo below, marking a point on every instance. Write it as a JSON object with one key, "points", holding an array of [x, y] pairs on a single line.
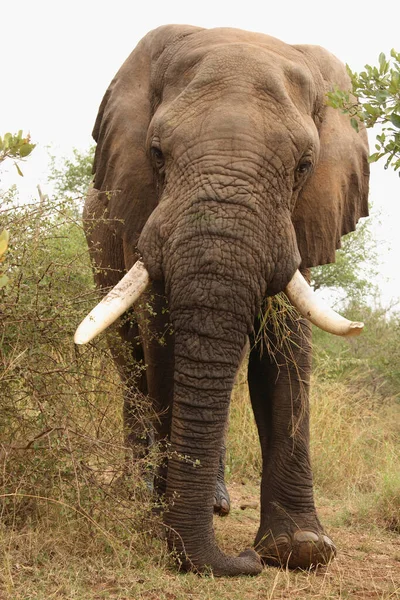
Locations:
{"points": [[336, 195], [123, 173]]}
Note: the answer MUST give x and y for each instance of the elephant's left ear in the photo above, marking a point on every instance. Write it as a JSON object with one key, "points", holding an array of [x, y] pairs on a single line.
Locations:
{"points": [[336, 195]]}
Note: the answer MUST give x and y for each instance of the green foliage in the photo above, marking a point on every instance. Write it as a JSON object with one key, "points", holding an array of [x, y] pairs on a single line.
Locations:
{"points": [[17, 146], [63, 453], [63, 459], [374, 355], [356, 417], [378, 92], [73, 176], [355, 266]]}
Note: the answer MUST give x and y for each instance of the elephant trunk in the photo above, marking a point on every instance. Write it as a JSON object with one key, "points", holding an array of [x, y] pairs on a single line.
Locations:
{"points": [[215, 278], [209, 343]]}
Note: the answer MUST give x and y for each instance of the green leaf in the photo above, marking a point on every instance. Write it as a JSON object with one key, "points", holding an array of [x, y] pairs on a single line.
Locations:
{"points": [[6, 141], [382, 96], [26, 149], [354, 123], [374, 157], [395, 119], [371, 110], [20, 173]]}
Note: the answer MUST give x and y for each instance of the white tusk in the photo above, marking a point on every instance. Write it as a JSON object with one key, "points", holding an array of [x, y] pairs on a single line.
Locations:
{"points": [[313, 308], [117, 301]]}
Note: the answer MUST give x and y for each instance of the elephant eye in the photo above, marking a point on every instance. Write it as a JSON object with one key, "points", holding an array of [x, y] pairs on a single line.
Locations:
{"points": [[304, 166], [158, 157]]}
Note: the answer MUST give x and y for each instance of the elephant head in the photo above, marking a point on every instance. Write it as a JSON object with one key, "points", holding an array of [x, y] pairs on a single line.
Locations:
{"points": [[218, 159]]}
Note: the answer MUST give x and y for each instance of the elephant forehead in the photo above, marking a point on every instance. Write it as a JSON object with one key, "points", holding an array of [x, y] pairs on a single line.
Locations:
{"points": [[262, 69]]}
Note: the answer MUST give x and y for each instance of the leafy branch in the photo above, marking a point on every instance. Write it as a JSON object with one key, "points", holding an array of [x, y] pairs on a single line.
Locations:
{"points": [[378, 92], [15, 146]]}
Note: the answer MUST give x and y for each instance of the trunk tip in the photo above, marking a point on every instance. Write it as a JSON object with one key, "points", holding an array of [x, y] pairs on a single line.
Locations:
{"points": [[355, 328]]}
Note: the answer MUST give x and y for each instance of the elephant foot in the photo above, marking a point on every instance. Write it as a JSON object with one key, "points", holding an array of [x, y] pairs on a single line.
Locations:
{"points": [[247, 563], [298, 549], [222, 503]]}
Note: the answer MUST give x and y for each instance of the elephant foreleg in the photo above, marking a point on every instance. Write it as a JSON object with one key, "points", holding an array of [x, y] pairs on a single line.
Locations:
{"points": [[290, 532], [158, 343]]}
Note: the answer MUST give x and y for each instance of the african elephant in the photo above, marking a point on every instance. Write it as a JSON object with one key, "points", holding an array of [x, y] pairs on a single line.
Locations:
{"points": [[220, 166]]}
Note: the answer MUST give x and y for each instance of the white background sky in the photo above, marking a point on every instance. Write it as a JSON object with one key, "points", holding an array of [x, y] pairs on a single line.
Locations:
{"points": [[58, 58]]}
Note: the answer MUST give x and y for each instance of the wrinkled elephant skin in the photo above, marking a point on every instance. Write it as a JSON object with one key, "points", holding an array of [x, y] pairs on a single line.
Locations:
{"points": [[220, 165]]}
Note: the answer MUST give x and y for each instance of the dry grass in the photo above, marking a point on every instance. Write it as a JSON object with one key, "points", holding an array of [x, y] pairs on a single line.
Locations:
{"points": [[355, 445], [41, 564], [355, 449], [107, 547], [75, 516]]}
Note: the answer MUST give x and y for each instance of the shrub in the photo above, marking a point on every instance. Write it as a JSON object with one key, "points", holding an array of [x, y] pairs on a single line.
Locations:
{"points": [[62, 453]]}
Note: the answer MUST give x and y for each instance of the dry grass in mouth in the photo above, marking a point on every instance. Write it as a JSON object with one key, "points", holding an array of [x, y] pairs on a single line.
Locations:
{"points": [[275, 313]]}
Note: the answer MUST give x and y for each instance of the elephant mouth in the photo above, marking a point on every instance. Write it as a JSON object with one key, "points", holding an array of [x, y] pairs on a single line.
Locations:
{"points": [[133, 284]]}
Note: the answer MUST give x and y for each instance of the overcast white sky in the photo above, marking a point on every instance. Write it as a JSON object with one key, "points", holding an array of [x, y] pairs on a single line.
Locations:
{"points": [[58, 58]]}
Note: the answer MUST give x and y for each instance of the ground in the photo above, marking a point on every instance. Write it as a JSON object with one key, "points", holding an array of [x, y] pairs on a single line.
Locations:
{"points": [[367, 567]]}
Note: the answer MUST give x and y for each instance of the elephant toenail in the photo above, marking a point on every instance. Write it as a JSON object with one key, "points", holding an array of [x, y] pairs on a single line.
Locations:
{"points": [[224, 505], [306, 536], [327, 540], [282, 542]]}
